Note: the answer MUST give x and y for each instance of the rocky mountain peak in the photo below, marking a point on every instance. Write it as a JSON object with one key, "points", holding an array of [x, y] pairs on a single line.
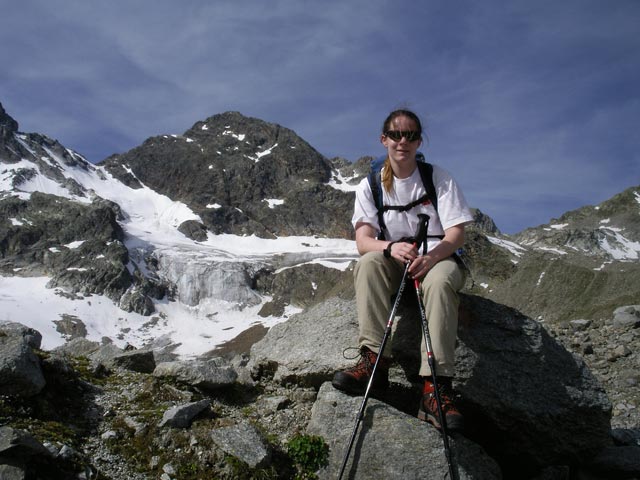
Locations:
{"points": [[10, 148], [8, 126], [241, 175], [606, 231]]}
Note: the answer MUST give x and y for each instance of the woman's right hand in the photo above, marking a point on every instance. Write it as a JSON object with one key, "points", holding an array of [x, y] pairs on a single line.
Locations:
{"points": [[403, 251]]}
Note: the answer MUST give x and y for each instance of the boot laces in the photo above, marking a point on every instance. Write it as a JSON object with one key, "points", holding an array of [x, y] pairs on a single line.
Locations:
{"points": [[365, 363], [446, 399]]}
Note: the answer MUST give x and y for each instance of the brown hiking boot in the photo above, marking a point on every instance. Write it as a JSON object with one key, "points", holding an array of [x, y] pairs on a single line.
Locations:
{"points": [[355, 379], [428, 411]]}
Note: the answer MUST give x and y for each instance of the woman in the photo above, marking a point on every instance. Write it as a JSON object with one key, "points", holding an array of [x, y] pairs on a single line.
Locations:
{"points": [[382, 263]]}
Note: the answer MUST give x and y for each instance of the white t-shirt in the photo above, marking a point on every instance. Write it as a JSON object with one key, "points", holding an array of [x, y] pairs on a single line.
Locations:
{"points": [[452, 206]]}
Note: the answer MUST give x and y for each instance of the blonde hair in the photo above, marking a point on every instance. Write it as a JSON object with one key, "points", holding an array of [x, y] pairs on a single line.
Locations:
{"points": [[386, 176]]}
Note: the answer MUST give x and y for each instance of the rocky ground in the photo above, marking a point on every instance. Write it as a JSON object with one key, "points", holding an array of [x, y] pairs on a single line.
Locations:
{"points": [[281, 411], [610, 349], [119, 434]]}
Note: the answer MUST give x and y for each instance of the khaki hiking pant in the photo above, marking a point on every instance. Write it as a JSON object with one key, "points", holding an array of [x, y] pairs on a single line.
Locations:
{"points": [[377, 279]]}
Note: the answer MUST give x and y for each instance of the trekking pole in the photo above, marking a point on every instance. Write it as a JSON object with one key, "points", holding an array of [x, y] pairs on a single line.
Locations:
{"points": [[432, 366], [420, 233]]}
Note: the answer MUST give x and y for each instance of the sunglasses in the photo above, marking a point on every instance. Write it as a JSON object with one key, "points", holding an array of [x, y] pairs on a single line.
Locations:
{"points": [[396, 135]]}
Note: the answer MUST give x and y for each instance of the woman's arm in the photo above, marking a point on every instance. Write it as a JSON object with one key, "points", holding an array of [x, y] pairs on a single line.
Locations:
{"points": [[366, 241]]}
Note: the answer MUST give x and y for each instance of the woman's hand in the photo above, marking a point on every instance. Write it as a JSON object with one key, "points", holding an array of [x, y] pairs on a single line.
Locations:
{"points": [[403, 251], [420, 266]]}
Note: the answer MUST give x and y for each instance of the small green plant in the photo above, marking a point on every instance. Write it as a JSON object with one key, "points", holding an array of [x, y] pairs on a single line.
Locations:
{"points": [[309, 452]]}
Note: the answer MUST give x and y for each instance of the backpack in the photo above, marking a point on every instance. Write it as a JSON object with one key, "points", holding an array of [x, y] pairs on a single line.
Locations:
{"points": [[374, 178]]}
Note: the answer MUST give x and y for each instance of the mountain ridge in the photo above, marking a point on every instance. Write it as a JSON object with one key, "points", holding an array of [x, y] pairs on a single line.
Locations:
{"points": [[146, 276], [237, 175]]}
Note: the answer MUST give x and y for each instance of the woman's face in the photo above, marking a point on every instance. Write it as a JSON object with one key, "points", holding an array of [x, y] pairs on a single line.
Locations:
{"points": [[402, 150]]}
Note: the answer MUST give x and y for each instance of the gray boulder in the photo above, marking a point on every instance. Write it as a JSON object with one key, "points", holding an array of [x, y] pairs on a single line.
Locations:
{"points": [[181, 416], [77, 347], [626, 317], [206, 374], [529, 400], [244, 442], [20, 369], [32, 337], [308, 348], [137, 360], [18, 444], [390, 444], [105, 356], [526, 400], [12, 472]]}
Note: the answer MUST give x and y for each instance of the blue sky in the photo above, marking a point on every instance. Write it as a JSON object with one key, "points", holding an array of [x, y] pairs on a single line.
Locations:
{"points": [[534, 106]]}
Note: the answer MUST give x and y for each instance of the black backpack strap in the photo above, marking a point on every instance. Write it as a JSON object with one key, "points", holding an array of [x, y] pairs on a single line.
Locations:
{"points": [[426, 174], [376, 190], [374, 178], [408, 206]]}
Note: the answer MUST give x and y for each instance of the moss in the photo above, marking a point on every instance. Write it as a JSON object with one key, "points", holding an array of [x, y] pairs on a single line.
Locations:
{"points": [[239, 470], [309, 452], [86, 372], [53, 414], [49, 431]]}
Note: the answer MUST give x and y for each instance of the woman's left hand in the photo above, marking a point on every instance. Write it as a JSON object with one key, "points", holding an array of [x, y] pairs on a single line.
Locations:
{"points": [[420, 266]]}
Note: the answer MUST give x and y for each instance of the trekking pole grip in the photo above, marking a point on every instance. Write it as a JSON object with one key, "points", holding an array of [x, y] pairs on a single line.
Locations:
{"points": [[423, 226]]}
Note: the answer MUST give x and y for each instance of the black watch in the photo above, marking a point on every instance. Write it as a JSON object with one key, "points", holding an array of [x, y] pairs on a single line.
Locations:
{"points": [[387, 251]]}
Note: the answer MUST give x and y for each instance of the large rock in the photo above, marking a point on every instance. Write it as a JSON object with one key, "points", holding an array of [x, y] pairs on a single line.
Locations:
{"points": [[309, 347], [206, 374], [244, 442], [390, 444], [20, 369], [31, 336], [181, 416], [141, 360], [19, 444], [527, 400], [530, 400]]}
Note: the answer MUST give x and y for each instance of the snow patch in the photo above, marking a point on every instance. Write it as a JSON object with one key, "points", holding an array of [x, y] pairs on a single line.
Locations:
{"points": [[559, 226], [618, 246], [237, 136], [273, 202], [340, 182], [553, 250], [261, 154], [512, 247]]}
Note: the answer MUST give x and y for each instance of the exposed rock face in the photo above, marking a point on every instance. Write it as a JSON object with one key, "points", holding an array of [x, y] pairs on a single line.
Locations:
{"points": [[79, 246], [10, 149], [229, 167], [8, 126]]}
